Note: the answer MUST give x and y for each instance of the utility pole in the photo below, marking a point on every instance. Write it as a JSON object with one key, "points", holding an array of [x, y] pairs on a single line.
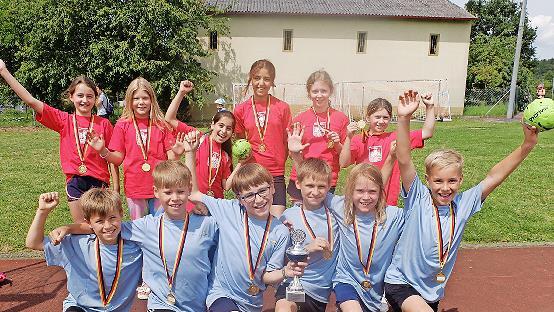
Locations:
{"points": [[511, 103]]}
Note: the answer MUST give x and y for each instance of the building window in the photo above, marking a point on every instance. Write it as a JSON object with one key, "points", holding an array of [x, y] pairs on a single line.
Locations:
{"points": [[287, 40], [362, 38], [213, 40], [434, 44]]}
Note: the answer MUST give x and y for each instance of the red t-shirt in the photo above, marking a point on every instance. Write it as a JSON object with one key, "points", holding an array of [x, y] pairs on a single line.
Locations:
{"points": [[137, 183], [62, 123], [375, 152], [318, 140], [183, 127], [275, 140], [219, 159]]}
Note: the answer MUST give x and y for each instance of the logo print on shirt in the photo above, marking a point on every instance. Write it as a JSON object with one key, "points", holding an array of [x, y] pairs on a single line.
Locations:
{"points": [[82, 135], [143, 134], [215, 160], [375, 154], [318, 129], [261, 119]]}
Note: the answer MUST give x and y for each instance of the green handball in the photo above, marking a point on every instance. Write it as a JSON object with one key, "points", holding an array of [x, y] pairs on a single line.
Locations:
{"points": [[540, 113], [241, 149]]}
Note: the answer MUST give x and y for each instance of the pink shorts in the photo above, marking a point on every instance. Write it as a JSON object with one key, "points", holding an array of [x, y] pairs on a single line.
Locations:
{"points": [[139, 207]]}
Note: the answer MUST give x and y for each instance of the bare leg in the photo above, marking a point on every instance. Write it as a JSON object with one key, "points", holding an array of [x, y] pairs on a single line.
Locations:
{"points": [[283, 305], [415, 304], [350, 306], [76, 211]]}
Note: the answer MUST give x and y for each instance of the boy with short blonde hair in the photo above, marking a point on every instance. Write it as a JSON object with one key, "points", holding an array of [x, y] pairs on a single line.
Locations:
{"points": [[424, 258], [102, 269]]}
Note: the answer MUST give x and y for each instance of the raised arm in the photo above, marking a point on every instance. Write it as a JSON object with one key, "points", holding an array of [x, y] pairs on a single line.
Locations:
{"points": [[97, 142], [171, 115], [506, 166], [20, 90], [408, 104], [345, 157], [190, 142], [388, 165], [35, 235], [429, 124]]}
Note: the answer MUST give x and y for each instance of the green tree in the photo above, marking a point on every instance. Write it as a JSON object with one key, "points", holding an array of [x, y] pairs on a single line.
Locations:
{"points": [[112, 42], [493, 43], [544, 73]]}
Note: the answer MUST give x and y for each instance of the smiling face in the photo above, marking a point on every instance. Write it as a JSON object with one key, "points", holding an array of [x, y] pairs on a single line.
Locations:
{"points": [[222, 129], [142, 102], [444, 183], [257, 200], [319, 94], [107, 227], [173, 200], [379, 121], [365, 196], [262, 81], [313, 191], [84, 99]]}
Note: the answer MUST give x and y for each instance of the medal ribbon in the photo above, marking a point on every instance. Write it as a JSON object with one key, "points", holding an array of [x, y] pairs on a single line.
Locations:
{"points": [[211, 179], [443, 255], [99, 275], [143, 149], [82, 153], [266, 120], [251, 268], [171, 277], [311, 231], [367, 264], [327, 123]]}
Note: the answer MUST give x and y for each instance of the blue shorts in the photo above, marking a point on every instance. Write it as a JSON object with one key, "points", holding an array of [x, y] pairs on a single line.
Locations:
{"points": [[223, 304], [78, 185], [310, 305], [346, 292], [280, 196], [397, 293]]}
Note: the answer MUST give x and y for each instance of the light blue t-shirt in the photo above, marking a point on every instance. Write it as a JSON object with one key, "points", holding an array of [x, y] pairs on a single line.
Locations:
{"points": [[77, 255], [318, 275], [349, 268], [190, 284], [230, 276], [416, 259]]}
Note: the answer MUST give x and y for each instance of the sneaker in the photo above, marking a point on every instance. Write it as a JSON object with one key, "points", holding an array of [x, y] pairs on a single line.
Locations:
{"points": [[143, 291]]}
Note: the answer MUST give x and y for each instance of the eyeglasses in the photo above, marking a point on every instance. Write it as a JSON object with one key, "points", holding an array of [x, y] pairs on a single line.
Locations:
{"points": [[250, 197]]}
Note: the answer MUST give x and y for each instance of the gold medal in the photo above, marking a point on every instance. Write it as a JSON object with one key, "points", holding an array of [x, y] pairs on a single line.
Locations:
{"points": [[82, 169], [261, 148], [330, 144], [171, 298], [253, 290], [366, 285], [261, 128], [210, 193], [441, 278], [327, 254], [146, 167]]}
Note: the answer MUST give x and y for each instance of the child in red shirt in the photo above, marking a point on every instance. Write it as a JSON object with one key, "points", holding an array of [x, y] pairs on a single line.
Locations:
{"points": [[324, 129], [263, 120], [83, 167], [373, 146], [141, 140]]}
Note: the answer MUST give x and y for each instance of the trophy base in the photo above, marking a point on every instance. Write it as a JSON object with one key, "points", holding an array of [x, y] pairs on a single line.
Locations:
{"points": [[295, 295]]}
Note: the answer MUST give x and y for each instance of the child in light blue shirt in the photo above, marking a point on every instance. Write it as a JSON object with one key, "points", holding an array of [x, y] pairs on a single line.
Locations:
{"points": [[436, 215], [102, 269], [252, 243]]}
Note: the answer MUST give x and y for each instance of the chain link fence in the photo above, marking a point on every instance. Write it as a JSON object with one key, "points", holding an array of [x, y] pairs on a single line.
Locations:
{"points": [[494, 101]]}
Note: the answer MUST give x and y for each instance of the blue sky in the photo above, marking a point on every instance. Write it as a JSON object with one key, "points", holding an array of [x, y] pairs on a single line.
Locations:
{"points": [[541, 15]]}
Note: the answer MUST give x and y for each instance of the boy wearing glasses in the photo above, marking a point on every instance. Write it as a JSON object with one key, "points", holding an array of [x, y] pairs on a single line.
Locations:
{"points": [[252, 243]]}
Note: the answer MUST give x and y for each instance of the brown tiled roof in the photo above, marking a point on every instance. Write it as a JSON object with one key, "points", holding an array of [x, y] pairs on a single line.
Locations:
{"points": [[424, 9]]}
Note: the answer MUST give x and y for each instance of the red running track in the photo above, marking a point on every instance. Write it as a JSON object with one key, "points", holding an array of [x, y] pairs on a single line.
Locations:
{"points": [[484, 279]]}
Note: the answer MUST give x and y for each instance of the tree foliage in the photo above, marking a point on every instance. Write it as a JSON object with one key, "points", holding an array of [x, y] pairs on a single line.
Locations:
{"points": [[47, 43], [492, 46], [544, 72]]}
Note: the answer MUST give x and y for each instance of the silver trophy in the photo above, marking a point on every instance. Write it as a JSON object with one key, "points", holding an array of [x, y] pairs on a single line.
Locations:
{"points": [[296, 253]]}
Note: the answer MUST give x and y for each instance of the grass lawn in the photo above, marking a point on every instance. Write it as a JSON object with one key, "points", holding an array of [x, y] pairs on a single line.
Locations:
{"points": [[520, 210]]}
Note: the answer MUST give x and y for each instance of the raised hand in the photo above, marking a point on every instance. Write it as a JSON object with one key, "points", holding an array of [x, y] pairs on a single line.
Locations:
{"points": [[333, 136], [179, 147], [96, 140], [47, 201], [530, 134], [2, 65], [427, 99], [351, 129], [295, 138], [191, 141], [186, 86], [408, 103]]}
